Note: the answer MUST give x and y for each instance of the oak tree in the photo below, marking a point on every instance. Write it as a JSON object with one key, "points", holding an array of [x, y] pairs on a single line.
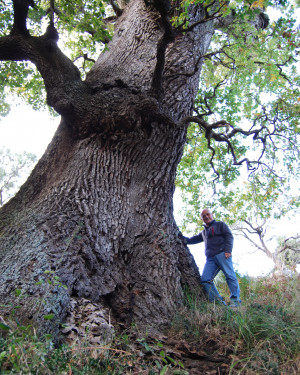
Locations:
{"points": [[93, 229]]}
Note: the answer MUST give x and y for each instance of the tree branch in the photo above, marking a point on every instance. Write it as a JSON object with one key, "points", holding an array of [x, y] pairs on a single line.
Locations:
{"points": [[116, 8], [260, 232], [21, 8], [163, 7], [288, 246], [210, 133], [61, 77]]}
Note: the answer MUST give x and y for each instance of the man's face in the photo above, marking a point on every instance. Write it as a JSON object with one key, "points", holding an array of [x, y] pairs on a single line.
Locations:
{"points": [[207, 216]]}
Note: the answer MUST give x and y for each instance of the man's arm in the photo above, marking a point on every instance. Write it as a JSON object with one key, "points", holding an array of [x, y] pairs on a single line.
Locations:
{"points": [[193, 240]]}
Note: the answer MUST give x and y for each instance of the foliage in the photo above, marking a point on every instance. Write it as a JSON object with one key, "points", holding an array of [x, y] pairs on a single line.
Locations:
{"points": [[82, 33], [22, 81], [250, 81], [13, 168], [261, 337], [289, 251]]}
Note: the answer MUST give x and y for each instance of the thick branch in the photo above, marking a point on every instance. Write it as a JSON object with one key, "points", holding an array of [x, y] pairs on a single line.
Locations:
{"points": [[61, 77], [20, 16], [116, 8], [163, 7]]}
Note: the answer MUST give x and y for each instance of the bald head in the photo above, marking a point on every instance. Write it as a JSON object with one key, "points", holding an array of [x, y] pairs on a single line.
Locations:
{"points": [[207, 216]]}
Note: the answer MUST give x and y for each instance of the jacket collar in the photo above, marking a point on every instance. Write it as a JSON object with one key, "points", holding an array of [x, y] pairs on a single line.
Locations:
{"points": [[210, 224]]}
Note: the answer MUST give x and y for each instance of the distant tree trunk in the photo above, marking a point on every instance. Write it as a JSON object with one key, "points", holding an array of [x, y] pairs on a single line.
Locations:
{"points": [[248, 229], [96, 214]]}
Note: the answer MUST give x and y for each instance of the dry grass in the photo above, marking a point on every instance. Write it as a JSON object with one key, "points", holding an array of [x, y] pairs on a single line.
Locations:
{"points": [[261, 337]]}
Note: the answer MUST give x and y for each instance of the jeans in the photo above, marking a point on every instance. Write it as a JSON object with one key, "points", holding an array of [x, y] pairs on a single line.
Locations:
{"points": [[212, 267]]}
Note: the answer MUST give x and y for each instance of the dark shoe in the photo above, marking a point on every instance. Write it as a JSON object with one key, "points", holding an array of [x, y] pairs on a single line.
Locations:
{"points": [[221, 301], [235, 302]]}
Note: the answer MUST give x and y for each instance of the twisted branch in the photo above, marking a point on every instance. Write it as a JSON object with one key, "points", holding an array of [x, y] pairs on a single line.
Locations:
{"points": [[21, 8], [226, 136]]}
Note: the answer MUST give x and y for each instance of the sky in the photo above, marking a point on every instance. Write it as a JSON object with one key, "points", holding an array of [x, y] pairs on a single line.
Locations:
{"points": [[26, 130]]}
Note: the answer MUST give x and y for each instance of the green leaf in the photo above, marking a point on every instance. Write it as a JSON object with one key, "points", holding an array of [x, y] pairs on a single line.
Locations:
{"points": [[3, 355], [171, 360], [18, 292], [4, 327], [47, 272], [49, 316], [163, 371]]}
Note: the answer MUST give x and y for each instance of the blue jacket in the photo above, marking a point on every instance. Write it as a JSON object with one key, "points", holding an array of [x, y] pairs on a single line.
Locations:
{"points": [[217, 237]]}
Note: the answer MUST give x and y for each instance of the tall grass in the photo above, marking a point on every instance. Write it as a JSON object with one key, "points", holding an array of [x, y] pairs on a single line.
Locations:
{"points": [[260, 337], [22, 352]]}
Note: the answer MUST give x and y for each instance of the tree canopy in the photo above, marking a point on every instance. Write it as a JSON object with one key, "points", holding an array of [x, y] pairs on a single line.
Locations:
{"points": [[250, 91], [247, 107]]}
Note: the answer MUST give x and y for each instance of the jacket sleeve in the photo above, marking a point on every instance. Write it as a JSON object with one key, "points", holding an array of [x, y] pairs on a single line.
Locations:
{"points": [[228, 238], [193, 240]]}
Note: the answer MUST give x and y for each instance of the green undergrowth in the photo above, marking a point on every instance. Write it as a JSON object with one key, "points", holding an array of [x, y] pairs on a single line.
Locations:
{"points": [[260, 337], [23, 352]]}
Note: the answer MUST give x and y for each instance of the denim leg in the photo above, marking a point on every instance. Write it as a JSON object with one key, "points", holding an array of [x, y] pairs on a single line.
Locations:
{"points": [[210, 271], [226, 266]]}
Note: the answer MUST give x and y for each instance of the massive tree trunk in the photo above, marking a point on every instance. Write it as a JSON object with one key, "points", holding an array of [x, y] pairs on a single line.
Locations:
{"points": [[94, 225]]}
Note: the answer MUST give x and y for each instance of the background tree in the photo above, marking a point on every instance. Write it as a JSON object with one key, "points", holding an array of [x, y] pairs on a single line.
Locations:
{"points": [[14, 167], [285, 254], [249, 86], [289, 250], [95, 218], [254, 207]]}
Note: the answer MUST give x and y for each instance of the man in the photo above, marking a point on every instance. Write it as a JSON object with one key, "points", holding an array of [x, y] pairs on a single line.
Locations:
{"points": [[218, 241]]}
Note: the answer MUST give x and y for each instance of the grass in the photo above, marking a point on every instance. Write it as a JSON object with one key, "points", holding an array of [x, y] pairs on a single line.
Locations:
{"points": [[23, 352], [261, 337]]}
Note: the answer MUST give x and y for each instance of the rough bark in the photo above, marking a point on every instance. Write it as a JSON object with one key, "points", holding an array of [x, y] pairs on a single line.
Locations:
{"points": [[96, 214]]}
